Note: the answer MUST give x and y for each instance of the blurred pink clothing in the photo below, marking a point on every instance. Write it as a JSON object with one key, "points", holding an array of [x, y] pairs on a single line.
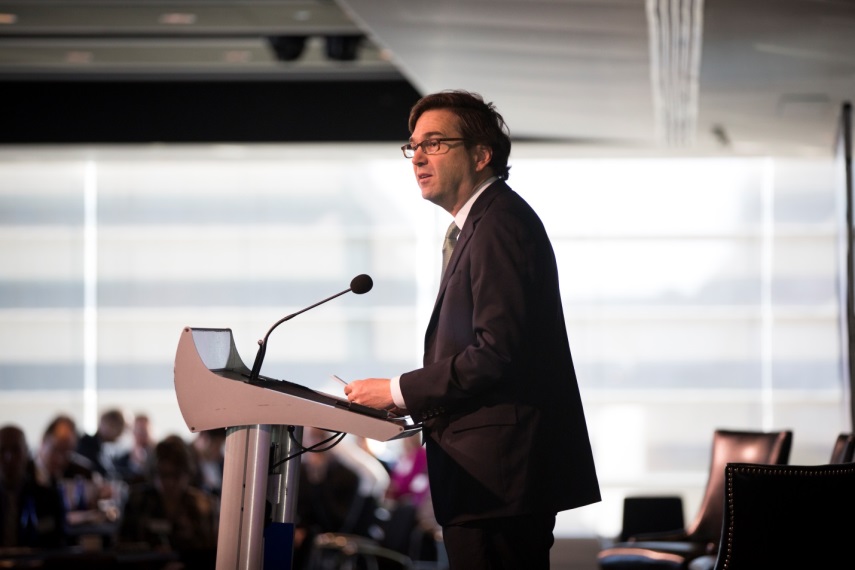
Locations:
{"points": [[409, 479]]}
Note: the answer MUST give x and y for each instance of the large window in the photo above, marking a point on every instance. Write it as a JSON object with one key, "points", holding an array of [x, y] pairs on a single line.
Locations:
{"points": [[699, 293]]}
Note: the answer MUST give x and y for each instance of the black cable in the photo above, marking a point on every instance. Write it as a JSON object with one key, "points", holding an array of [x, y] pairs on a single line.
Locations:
{"points": [[337, 436]]}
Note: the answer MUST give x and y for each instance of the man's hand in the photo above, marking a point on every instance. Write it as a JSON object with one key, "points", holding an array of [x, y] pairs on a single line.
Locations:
{"points": [[371, 392]]}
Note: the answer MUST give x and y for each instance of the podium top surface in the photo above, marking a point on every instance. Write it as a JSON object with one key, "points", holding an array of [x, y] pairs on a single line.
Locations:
{"points": [[213, 390]]}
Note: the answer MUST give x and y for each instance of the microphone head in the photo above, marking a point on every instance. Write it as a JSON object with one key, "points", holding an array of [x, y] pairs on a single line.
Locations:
{"points": [[361, 284]]}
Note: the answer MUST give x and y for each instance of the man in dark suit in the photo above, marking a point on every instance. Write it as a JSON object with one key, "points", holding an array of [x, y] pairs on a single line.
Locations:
{"points": [[111, 427], [505, 430]]}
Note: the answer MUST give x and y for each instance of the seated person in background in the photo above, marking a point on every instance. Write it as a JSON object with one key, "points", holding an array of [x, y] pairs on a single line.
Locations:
{"points": [[210, 447], [135, 464], [326, 495], [170, 514], [409, 479], [373, 475], [30, 515], [97, 447], [408, 501], [353, 452], [58, 465]]}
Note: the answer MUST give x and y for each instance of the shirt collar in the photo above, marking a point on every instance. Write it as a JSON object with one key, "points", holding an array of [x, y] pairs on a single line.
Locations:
{"points": [[463, 213]]}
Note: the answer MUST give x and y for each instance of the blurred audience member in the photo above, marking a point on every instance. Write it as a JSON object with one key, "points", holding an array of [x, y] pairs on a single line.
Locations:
{"points": [[170, 514], [353, 452], [409, 478], [326, 494], [136, 464], [31, 515], [210, 447], [411, 528], [99, 448], [373, 476], [57, 464]]}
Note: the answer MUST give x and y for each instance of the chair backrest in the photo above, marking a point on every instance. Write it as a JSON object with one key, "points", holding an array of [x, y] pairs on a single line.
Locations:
{"points": [[734, 447], [651, 514], [844, 447], [787, 516]]}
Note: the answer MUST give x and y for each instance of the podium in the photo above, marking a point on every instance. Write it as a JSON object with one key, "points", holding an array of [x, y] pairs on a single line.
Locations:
{"points": [[264, 419]]}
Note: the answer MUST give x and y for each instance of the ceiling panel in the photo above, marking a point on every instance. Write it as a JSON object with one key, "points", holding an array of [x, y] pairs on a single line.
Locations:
{"points": [[730, 77]]}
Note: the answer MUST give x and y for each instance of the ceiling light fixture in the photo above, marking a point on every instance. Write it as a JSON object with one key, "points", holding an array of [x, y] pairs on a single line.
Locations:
{"points": [[177, 18], [344, 47], [287, 48]]}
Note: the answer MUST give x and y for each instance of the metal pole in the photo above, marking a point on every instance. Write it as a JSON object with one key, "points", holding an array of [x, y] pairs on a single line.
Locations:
{"points": [[247, 458], [285, 476]]}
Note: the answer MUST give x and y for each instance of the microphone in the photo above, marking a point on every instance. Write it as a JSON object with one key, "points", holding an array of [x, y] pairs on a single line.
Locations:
{"points": [[359, 285]]}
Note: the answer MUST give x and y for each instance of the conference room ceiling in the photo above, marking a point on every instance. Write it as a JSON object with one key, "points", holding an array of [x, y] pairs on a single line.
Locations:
{"points": [[735, 77]]}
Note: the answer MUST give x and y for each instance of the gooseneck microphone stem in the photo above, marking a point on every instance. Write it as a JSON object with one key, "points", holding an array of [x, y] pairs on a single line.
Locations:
{"points": [[262, 344], [359, 285]]}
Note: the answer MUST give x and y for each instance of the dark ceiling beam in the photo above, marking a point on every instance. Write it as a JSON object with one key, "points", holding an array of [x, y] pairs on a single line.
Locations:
{"points": [[105, 111]]}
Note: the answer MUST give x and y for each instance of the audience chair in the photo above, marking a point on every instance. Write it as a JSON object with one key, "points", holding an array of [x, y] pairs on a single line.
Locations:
{"points": [[787, 516], [675, 550], [844, 447], [842, 452], [646, 514]]}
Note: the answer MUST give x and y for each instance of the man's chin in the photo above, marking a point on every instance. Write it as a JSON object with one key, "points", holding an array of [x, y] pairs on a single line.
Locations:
{"points": [[428, 195]]}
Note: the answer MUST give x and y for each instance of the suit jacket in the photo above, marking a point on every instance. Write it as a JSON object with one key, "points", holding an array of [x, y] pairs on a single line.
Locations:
{"points": [[504, 426]]}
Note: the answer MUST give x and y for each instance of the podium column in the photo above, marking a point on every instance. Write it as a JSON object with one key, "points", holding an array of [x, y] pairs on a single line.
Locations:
{"points": [[286, 475], [247, 458], [283, 486]]}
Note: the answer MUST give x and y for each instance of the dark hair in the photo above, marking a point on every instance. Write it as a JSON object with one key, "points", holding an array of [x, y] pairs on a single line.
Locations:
{"points": [[56, 422], [480, 123], [114, 417], [174, 450]]}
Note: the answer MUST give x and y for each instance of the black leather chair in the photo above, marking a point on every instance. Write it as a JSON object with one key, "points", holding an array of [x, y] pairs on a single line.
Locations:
{"points": [[675, 550], [844, 448], [842, 452], [787, 516], [656, 513]]}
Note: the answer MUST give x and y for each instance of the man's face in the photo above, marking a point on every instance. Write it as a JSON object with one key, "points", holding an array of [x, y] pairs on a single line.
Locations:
{"points": [[57, 449], [142, 434], [446, 179], [111, 430]]}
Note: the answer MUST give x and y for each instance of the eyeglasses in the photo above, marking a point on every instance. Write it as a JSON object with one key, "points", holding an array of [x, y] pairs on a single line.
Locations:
{"points": [[429, 146]]}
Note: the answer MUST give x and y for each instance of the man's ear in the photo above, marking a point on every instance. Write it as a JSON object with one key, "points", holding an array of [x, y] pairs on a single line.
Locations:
{"points": [[482, 154]]}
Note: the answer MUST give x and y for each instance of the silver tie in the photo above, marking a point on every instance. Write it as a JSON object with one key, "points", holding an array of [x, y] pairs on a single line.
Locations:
{"points": [[448, 245]]}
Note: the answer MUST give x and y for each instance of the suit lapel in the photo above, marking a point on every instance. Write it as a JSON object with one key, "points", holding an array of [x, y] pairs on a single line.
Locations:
{"points": [[480, 206], [467, 233]]}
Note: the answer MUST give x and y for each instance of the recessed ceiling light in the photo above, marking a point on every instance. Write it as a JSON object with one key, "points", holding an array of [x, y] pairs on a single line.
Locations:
{"points": [[177, 18], [237, 56], [79, 56]]}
